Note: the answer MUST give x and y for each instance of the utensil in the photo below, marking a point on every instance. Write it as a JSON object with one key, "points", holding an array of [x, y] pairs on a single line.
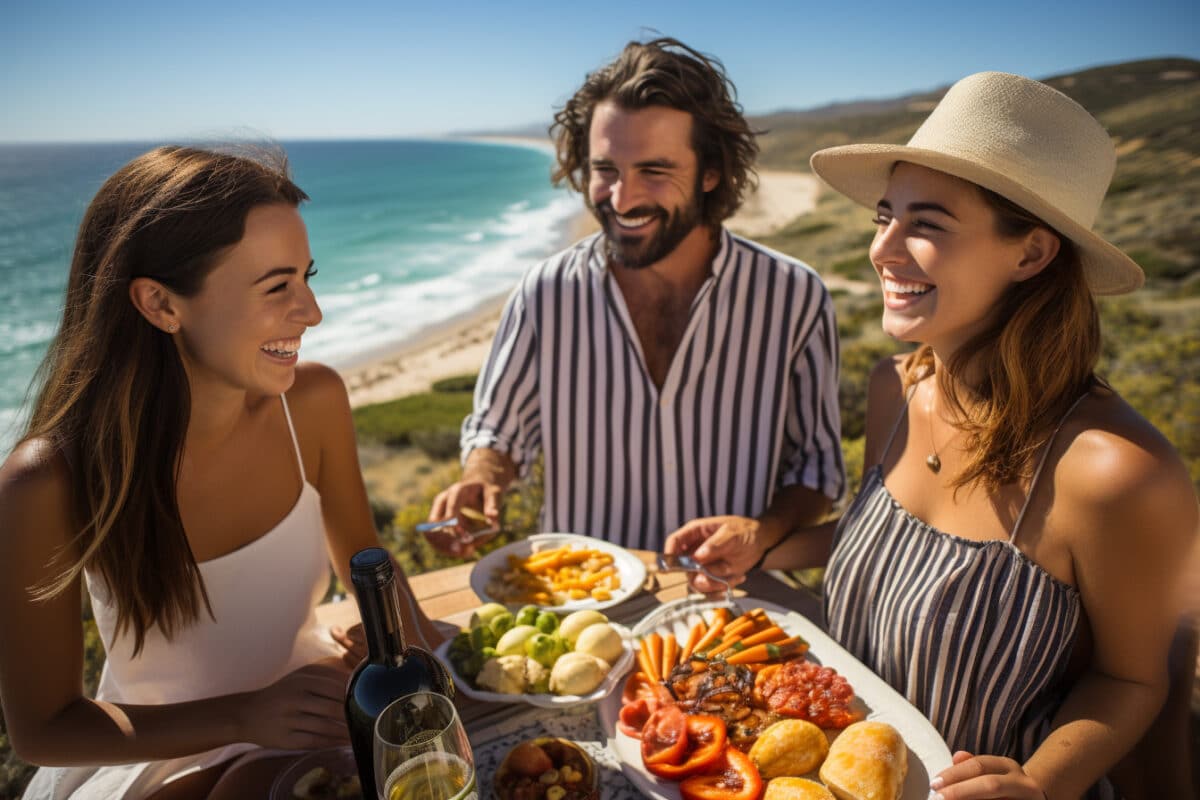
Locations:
{"points": [[685, 563], [422, 752], [424, 527]]}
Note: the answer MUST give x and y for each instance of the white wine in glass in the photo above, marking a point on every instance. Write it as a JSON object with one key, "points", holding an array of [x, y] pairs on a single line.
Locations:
{"points": [[422, 752]]}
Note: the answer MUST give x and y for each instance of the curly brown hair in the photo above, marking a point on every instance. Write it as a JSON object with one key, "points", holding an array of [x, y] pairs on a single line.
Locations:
{"points": [[666, 72]]}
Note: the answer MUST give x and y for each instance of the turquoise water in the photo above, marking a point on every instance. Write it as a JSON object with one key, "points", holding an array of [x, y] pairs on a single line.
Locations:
{"points": [[405, 234]]}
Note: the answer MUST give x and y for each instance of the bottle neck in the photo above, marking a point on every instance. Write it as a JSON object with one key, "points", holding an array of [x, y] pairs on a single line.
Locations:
{"points": [[379, 607]]}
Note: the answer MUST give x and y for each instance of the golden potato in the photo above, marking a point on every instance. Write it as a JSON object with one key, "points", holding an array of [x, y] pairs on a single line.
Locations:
{"points": [[796, 789], [789, 748]]}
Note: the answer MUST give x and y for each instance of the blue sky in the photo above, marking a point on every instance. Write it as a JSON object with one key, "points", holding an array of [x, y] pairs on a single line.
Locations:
{"points": [[157, 71]]}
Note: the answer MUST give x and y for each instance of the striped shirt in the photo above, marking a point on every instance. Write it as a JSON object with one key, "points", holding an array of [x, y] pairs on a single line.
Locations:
{"points": [[748, 406], [974, 634]]}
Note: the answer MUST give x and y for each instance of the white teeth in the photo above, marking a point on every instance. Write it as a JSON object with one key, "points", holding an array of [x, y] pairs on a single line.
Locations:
{"points": [[898, 287], [632, 222], [284, 348]]}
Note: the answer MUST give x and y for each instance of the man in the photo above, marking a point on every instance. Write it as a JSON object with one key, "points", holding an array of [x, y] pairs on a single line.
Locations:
{"points": [[666, 369]]}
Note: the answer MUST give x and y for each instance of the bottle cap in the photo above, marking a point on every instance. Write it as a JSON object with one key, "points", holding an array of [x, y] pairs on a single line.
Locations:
{"points": [[371, 566]]}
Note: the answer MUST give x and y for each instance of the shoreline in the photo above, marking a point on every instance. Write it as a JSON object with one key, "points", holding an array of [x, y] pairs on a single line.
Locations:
{"points": [[459, 345]]}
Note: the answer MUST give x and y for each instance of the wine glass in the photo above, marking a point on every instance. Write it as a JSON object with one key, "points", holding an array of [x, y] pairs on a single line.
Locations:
{"points": [[422, 752]]}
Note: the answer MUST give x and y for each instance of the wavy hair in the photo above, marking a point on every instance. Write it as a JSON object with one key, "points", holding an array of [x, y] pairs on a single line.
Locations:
{"points": [[114, 398], [1036, 359], [667, 73]]}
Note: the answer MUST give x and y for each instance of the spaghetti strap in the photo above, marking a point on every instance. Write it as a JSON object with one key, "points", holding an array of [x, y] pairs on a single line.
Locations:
{"points": [[896, 425], [295, 442], [1012, 539]]}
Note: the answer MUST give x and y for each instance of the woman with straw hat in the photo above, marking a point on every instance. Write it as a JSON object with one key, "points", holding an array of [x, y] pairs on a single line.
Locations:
{"points": [[1009, 562]]}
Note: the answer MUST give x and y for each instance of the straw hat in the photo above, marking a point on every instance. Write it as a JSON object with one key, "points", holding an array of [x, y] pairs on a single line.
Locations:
{"points": [[1020, 138]]}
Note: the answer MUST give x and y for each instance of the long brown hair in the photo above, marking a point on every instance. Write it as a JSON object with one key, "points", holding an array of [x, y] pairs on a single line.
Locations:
{"points": [[666, 72], [114, 397], [1036, 359]]}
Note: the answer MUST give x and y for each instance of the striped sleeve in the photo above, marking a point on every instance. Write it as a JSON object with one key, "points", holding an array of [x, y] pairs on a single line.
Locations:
{"points": [[812, 447], [506, 414]]}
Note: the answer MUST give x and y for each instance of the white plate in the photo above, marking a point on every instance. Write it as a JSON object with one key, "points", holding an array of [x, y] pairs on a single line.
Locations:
{"points": [[630, 568], [927, 753], [611, 680]]}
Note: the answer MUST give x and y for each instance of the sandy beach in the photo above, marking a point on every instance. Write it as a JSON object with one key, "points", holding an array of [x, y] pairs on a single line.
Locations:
{"points": [[459, 346]]}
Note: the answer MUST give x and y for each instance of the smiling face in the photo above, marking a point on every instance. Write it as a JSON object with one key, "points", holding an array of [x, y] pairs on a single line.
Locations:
{"points": [[941, 263], [243, 328], [644, 183]]}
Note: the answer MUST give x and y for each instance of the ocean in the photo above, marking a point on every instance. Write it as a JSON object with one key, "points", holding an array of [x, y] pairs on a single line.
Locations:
{"points": [[405, 234]]}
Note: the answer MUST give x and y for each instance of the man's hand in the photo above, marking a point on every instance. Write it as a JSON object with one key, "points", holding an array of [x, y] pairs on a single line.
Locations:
{"points": [[470, 494], [727, 546]]}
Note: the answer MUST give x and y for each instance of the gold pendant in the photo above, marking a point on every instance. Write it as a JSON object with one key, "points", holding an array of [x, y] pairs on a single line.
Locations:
{"points": [[933, 462]]}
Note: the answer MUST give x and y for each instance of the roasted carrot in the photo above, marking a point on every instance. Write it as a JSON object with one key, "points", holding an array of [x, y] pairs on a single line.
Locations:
{"points": [[711, 635], [654, 650], [767, 651], [693, 637], [645, 663], [670, 652]]}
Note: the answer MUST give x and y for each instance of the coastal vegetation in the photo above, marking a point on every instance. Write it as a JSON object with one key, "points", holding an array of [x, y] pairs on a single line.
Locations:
{"points": [[1152, 338]]}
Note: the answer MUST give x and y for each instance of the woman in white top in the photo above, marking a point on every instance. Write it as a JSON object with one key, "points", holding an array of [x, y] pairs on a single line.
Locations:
{"points": [[183, 468]]}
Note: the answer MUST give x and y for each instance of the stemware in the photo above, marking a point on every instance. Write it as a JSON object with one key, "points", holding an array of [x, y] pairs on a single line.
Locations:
{"points": [[422, 752]]}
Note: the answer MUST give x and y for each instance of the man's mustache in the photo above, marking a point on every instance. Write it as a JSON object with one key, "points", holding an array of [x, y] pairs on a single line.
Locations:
{"points": [[605, 208]]}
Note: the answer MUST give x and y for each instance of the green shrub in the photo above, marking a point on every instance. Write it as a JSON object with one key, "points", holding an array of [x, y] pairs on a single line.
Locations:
{"points": [[459, 383]]}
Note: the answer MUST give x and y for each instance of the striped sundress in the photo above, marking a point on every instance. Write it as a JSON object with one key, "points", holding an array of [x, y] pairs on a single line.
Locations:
{"points": [[973, 633]]}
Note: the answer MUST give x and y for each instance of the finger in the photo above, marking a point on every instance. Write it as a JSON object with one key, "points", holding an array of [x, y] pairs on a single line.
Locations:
{"points": [[339, 635], [690, 536], [491, 504], [437, 511], [720, 544], [960, 756], [443, 541]]}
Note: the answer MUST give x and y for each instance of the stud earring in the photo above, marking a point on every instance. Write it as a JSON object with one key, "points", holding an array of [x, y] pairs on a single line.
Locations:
{"points": [[173, 327]]}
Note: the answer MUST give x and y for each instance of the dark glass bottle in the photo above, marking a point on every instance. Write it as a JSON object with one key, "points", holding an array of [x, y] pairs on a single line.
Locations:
{"points": [[392, 668]]}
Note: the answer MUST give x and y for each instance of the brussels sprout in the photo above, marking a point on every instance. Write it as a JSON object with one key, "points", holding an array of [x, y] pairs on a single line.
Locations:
{"points": [[488, 653], [527, 615], [547, 622], [486, 613], [482, 637], [461, 644], [502, 623], [470, 666], [513, 642], [544, 648]]}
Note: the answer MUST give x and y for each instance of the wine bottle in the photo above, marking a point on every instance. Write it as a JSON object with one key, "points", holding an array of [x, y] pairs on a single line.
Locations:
{"points": [[392, 668]]}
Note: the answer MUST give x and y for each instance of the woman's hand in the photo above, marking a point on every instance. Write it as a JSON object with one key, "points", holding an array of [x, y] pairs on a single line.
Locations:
{"points": [[301, 711], [984, 777], [727, 546], [353, 640]]}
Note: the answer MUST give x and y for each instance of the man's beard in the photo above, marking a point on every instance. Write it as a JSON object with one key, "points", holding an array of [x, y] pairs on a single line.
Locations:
{"points": [[638, 252]]}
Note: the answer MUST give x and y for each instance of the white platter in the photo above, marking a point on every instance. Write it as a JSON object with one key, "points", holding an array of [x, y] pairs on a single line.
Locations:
{"points": [[927, 753], [630, 568], [613, 679]]}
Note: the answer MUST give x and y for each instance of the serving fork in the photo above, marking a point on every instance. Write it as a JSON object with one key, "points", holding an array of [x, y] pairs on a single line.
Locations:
{"points": [[685, 563]]}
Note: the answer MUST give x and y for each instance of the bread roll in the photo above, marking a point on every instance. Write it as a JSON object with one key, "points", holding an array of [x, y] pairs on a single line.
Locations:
{"points": [[868, 761], [796, 789], [790, 748]]}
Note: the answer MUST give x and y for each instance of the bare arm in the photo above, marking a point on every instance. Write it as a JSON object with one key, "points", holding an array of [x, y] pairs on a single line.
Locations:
{"points": [[1132, 516], [49, 719], [323, 413]]}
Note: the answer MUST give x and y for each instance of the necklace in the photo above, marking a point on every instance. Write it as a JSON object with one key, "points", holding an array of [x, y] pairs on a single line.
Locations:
{"points": [[932, 461]]}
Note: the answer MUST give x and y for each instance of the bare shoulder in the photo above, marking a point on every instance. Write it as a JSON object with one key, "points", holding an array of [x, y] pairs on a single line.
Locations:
{"points": [[1118, 471], [35, 493], [318, 402], [34, 472]]}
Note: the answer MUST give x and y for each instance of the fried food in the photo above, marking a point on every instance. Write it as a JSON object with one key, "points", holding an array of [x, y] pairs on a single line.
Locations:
{"points": [[796, 789], [789, 748], [868, 760], [557, 576]]}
